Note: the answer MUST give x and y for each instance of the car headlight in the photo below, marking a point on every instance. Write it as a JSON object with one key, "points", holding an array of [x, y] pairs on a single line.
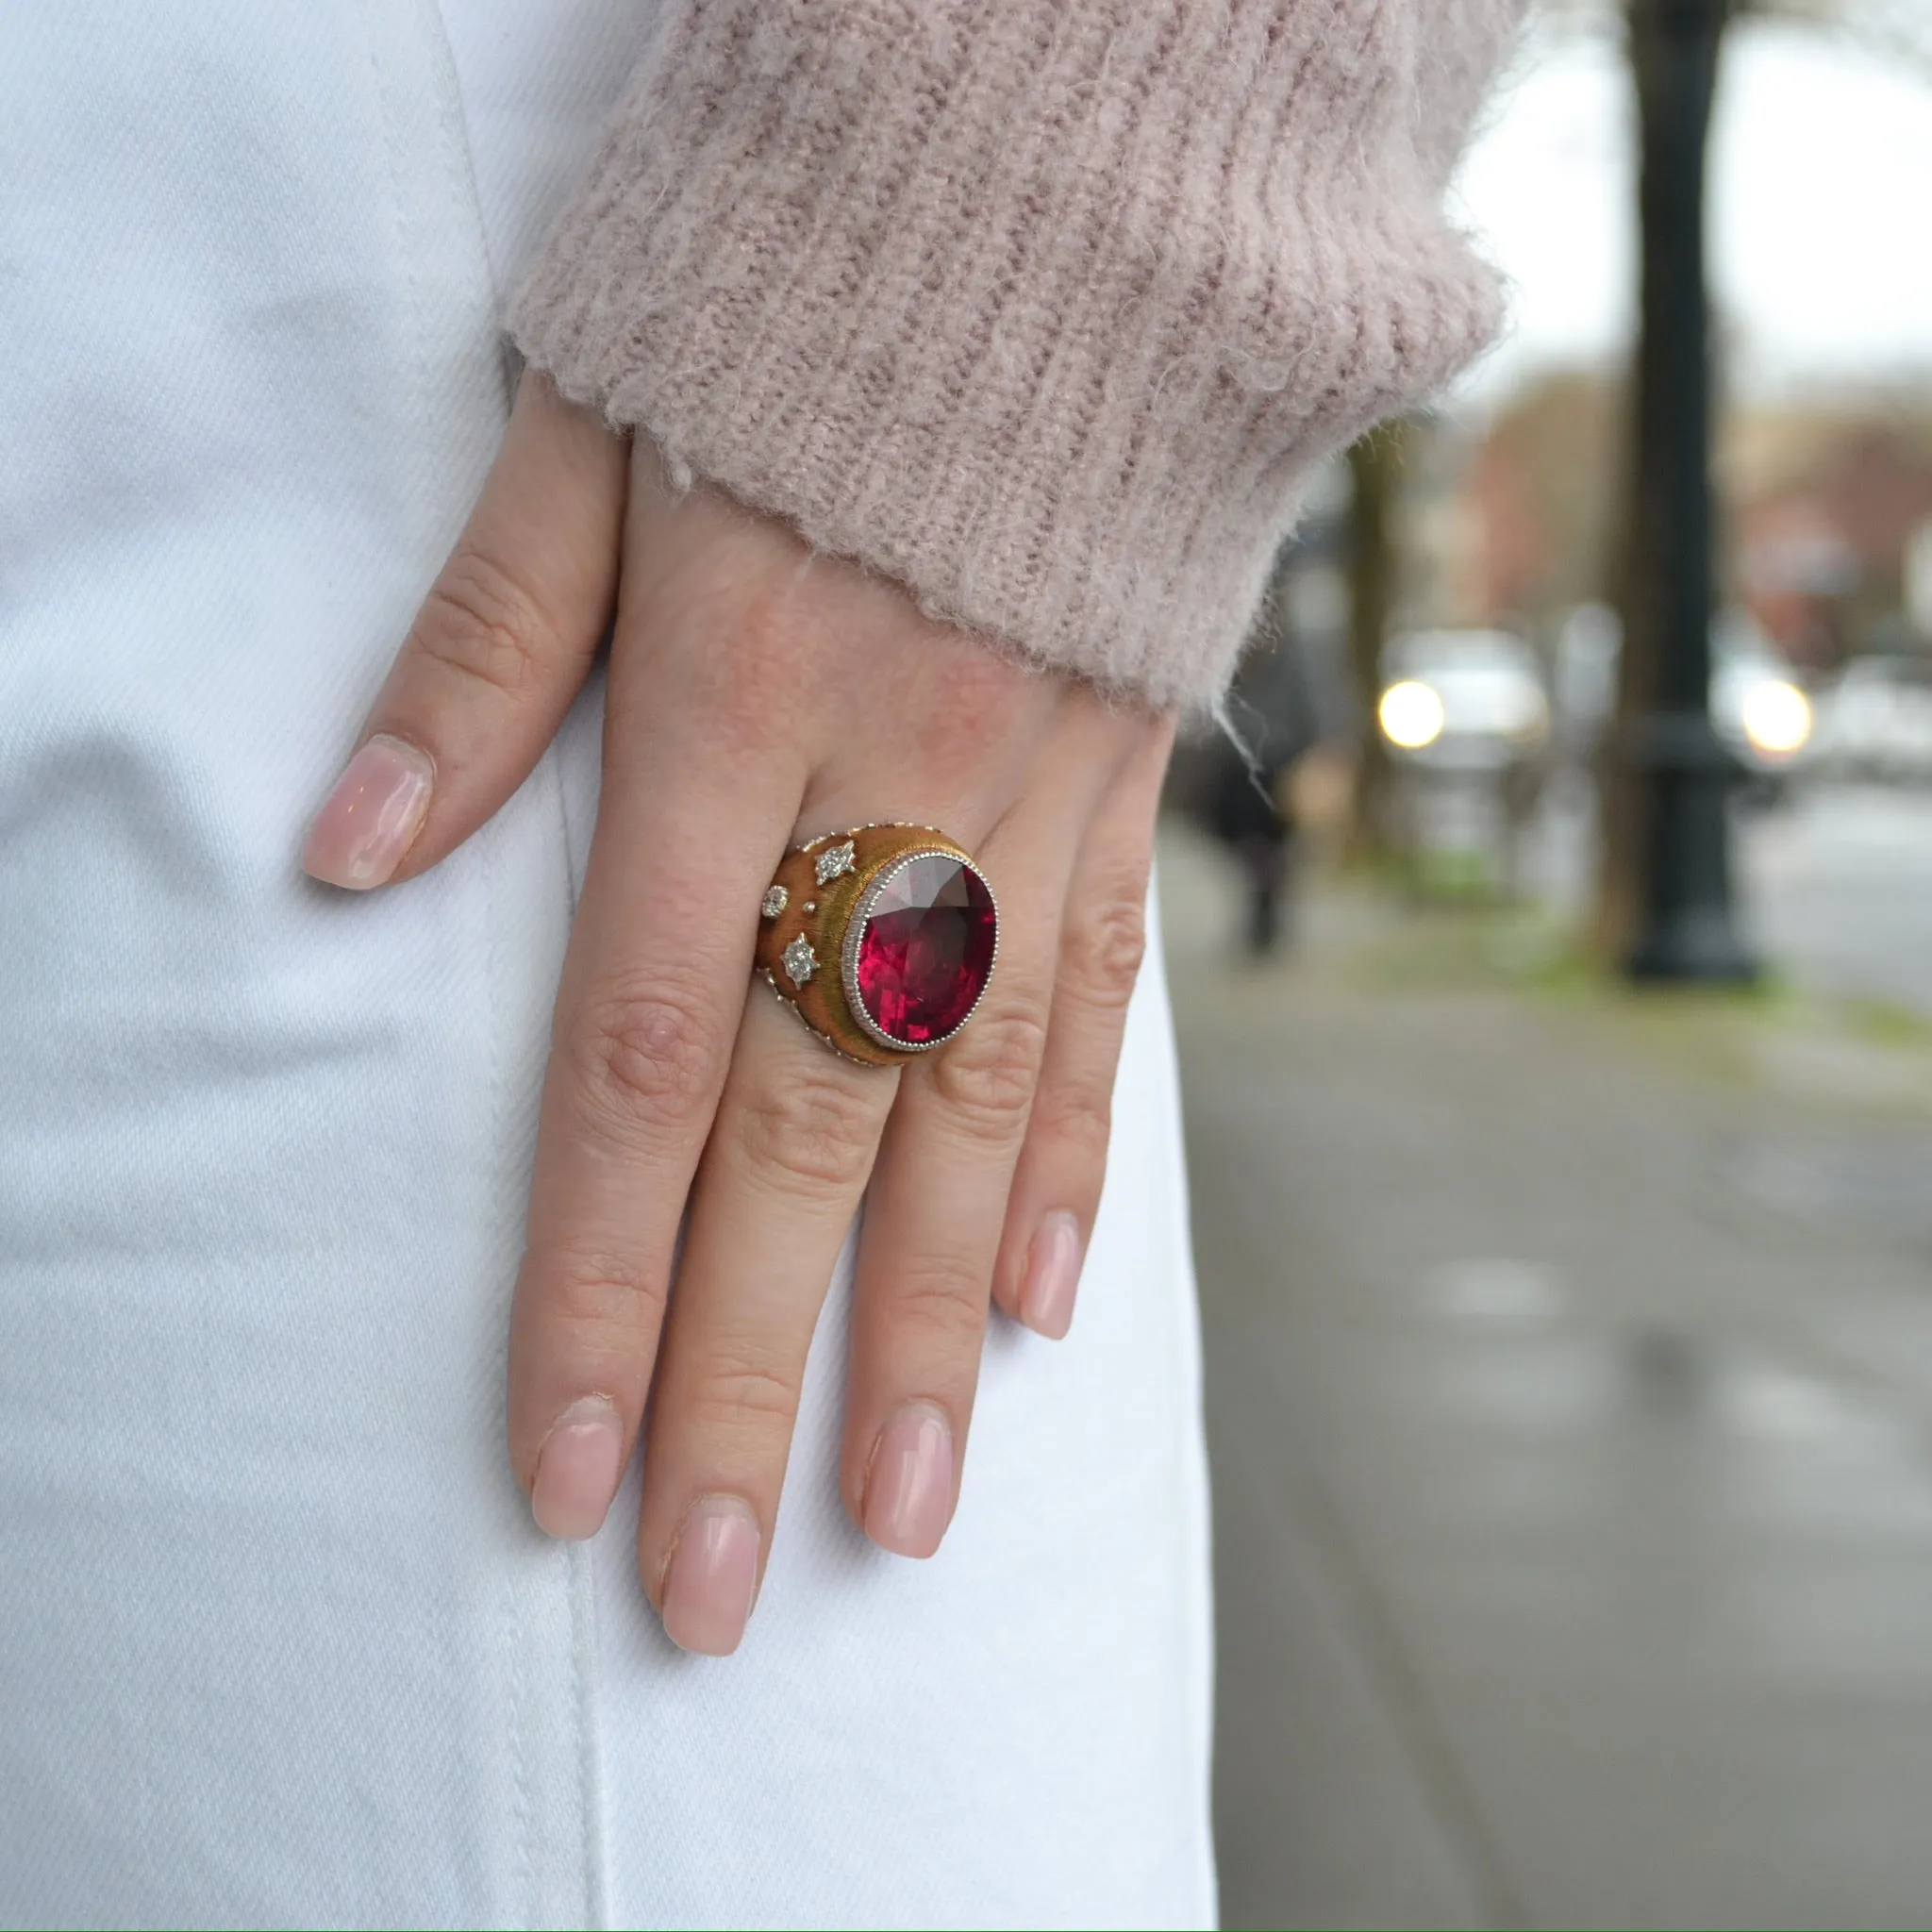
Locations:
{"points": [[1411, 715], [1532, 722], [1776, 716]]}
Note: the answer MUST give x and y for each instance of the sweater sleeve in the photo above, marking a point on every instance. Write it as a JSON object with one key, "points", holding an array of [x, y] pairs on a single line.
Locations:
{"points": [[1046, 309]]}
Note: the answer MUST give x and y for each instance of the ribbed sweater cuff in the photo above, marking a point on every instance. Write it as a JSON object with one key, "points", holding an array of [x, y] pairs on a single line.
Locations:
{"points": [[1043, 307]]}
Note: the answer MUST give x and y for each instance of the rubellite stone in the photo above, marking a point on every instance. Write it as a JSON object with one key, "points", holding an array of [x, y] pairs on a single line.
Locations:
{"points": [[926, 949]]}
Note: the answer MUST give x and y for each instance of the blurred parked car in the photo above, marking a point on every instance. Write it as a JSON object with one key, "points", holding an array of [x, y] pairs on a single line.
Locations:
{"points": [[1467, 722], [1466, 701], [1875, 722], [1757, 708]]}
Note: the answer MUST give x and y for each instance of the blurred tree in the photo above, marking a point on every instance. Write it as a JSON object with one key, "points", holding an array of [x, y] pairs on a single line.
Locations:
{"points": [[1663, 904], [1898, 29], [1375, 465]]}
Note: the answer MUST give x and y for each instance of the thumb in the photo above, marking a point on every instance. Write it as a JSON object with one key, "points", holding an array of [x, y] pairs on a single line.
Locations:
{"points": [[502, 645]]}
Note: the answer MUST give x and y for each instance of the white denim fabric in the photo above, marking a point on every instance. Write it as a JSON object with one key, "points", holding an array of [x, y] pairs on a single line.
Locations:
{"points": [[278, 1644]]}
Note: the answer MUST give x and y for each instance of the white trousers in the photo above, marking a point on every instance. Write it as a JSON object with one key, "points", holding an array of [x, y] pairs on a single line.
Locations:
{"points": [[279, 1643]]}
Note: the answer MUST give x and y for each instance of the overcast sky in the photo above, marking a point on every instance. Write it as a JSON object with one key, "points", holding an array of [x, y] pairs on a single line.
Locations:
{"points": [[1822, 211]]}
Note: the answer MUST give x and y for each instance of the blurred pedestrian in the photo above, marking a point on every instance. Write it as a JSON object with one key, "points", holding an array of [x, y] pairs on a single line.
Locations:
{"points": [[1276, 721]]}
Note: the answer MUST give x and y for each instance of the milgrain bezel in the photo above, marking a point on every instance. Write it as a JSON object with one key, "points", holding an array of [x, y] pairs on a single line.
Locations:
{"points": [[854, 932]]}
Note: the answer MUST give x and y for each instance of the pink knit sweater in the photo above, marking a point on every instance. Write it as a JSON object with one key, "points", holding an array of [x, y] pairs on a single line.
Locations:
{"points": [[1044, 307]]}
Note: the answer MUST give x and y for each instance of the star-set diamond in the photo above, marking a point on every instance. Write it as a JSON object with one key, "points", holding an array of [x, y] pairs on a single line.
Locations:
{"points": [[776, 899], [801, 962], [833, 861]]}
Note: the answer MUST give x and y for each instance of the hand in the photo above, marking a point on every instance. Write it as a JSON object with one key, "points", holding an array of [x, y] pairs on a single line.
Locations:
{"points": [[758, 694]]}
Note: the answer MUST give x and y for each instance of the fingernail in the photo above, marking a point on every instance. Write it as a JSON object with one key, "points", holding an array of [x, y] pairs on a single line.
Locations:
{"points": [[714, 1574], [360, 835], [909, 1494], [578, 1470], [1053, 1274]]}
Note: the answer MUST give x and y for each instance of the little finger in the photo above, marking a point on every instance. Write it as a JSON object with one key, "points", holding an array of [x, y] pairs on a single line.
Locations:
{"points": [[1056, 1189]]}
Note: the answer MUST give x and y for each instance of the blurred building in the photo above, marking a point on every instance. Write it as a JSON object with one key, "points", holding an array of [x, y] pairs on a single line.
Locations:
{"points": [[1540, 504], [1828, 509], [1830, 503]]}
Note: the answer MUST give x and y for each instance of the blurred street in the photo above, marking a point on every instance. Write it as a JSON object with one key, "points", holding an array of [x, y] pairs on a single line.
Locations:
{"points": [[1843, 886], [1569, 1346], [1570, 1392], [1837, 884]]}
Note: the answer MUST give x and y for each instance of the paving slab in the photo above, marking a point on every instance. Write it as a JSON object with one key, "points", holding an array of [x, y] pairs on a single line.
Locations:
{"points": [[1570, 1388]]}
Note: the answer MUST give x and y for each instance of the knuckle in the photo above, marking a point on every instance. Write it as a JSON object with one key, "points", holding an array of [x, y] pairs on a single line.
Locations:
{"points": [[1103, 951], [593, 1291], [751, 692], [643, 1062], [732, 1394], [1076, 1118], [811, 1131], [938, 1306], [480, 621], [975, 696], [769, 623], [987, 1076]]}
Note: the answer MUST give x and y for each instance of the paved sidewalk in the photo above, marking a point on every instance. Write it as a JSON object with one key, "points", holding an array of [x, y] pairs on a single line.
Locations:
{"points": [[1570, 1385]]}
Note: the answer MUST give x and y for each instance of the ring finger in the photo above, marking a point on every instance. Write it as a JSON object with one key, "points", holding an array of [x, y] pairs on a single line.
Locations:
{"points": [[938, 1195]]}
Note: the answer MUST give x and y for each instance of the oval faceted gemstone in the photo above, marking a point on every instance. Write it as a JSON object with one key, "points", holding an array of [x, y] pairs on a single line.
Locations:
{"points": [[926, 949]]}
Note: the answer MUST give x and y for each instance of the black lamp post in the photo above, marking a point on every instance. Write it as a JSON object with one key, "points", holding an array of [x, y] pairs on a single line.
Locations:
{"points": [[1686, 928]]}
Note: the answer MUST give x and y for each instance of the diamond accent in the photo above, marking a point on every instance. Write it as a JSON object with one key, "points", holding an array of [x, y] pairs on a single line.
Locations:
{"points": [[801, 962], [776, 899], [832, 861]]}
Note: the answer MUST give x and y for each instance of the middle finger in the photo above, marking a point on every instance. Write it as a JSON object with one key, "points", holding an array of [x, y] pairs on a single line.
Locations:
{"points": [[775, 1194], [653, 990]]}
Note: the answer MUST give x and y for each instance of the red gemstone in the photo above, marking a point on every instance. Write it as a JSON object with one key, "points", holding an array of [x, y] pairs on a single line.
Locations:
{"points": [[927, 949]]}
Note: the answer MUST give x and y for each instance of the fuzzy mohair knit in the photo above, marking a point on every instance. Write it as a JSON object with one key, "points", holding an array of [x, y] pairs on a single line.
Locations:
{"points": [[1046, 309]]}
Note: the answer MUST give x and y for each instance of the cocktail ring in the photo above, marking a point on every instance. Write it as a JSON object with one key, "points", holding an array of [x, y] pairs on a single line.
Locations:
{"points": [[881, 939]]}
